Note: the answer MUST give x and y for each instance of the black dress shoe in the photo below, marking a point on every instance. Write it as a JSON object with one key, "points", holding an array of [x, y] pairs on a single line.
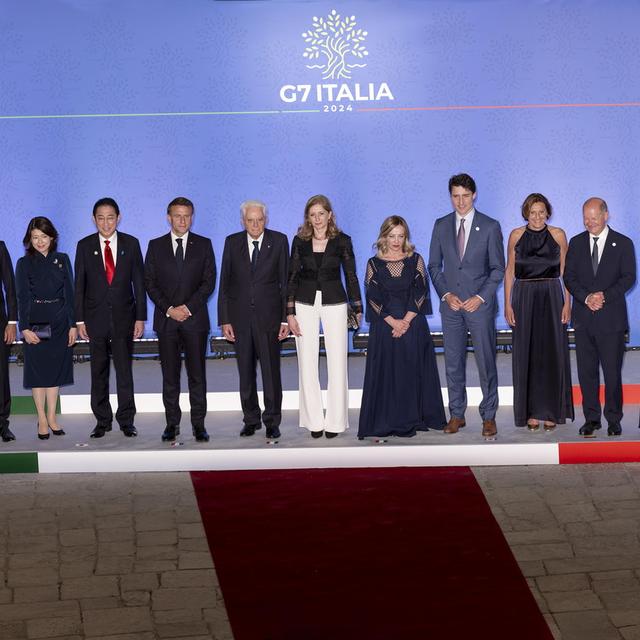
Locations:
{"points": [[129, 431], [249, 429], [201, 435], [330, 434], [170, 433], [57, 432], [614, 429], [317, 434], [6, 434], [99, 430], [273, 433], [588, 428]]}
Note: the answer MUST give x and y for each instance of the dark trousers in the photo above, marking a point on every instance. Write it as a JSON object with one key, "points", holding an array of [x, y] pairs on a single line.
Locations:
{"points": [[254, 344], [120, 350], [171, 347], [593, 350], [5, 391]]}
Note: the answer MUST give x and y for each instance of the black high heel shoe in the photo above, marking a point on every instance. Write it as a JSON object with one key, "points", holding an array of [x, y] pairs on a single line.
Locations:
{"points": [[57, 432], [42, 436]]}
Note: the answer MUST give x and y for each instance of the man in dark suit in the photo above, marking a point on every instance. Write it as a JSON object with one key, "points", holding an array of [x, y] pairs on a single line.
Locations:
{"points": [[111, 309], [180, 276], [252, 313], [466, 265], [8, 321], [599, 270]]}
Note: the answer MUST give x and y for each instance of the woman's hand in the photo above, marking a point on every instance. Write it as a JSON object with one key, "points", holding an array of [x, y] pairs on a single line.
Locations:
{"points": [[398, 327], [566, 313], [30, 337], [294, 327], [73, 334], [510, 316]]}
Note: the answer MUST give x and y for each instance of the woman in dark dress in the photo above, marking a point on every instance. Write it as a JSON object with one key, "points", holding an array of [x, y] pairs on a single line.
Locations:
{"points": [[44, 286], [401, 393], [538, 307]]}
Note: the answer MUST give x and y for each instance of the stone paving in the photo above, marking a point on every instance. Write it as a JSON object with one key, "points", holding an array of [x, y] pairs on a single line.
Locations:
{"points": [[575, 533], [106, 557], [124, 556]]}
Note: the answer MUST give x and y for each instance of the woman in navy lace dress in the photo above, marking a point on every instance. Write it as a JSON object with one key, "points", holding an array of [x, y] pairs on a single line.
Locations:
{"points": [[401, 393]]}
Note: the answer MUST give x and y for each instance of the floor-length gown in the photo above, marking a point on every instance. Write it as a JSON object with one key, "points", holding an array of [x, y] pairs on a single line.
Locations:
{"points": [[45, 296], [401, 393], [541, 367]]}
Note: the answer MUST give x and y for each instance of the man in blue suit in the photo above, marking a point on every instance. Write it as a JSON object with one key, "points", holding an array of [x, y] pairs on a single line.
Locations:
{"points": [[466, 265]]}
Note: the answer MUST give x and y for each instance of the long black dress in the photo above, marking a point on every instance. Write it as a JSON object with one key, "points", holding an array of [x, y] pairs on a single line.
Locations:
{"points": [[541, 367], [401, 393], [45, 296]]}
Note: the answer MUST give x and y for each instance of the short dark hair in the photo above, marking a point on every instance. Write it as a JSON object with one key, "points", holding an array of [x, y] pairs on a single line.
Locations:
{"points": [[106, 202], [40, 223], [180, 202], [530, 200], [463, 180]]}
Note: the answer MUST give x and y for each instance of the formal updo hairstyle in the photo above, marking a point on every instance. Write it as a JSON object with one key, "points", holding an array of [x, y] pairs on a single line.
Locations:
{"points": [[305, 231], [382, 243], [40, 223], [532, 199]]}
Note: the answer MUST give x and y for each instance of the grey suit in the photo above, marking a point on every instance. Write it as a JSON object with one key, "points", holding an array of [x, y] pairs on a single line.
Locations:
{"points": [[478, 273]]}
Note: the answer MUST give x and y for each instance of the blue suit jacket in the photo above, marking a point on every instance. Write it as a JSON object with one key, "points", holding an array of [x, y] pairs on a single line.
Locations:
{"points": [[482, 267]]}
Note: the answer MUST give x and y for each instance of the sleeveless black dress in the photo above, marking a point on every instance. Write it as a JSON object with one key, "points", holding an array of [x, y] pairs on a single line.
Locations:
{"points": [[541, 367]]}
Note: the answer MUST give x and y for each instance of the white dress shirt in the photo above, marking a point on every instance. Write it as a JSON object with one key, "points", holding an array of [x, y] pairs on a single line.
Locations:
{"points": [[250, 242], [113, 245], [602, 239], [174, 244], [468, 224]]}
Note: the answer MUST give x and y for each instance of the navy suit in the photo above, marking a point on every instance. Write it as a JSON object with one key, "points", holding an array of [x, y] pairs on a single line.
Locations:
{"points": [[600, 334], [478, 273], [8, 312], [169, 286], [109, 312], [254, 303]]}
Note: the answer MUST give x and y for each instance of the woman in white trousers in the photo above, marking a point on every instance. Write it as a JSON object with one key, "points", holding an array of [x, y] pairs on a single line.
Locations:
{"points": [[316, 295]]}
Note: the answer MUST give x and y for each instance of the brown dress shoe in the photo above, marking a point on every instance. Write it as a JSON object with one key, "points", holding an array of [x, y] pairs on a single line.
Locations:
{"points": [[489, 429], [454, 424]]}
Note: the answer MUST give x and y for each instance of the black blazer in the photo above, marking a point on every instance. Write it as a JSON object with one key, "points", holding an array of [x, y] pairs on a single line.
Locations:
{"points": [[264, 291], [169, 288], [8, 300], [615, 276], [100, 305], [304, 276]]}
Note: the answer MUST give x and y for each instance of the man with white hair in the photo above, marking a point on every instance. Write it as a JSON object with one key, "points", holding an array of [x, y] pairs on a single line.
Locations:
{"points": [[252, 313]]}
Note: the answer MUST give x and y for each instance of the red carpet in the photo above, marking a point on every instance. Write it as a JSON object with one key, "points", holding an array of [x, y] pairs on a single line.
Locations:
{"points": [[363, 554]]}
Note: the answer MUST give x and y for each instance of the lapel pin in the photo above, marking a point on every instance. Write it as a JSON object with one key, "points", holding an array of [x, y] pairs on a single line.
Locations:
{"points": [[95, 253], [122, 253], [477, 228], [55, 261], [613, 244]]}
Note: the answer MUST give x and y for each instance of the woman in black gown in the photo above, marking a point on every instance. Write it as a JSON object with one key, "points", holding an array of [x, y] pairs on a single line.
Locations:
{"points": [[538, 307], [401, 393], [44, 286]]}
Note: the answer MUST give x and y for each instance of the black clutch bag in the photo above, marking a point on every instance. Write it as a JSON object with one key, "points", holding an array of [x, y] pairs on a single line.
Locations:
{"points": [[352, 319], [43, 331]]}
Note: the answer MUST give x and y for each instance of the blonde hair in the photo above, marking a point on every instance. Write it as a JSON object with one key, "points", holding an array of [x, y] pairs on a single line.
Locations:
{"points": [[382, 243], [305, 230]]}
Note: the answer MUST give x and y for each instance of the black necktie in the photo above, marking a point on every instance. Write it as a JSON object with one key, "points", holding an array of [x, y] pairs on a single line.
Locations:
{"points": [[594, 255], [179, 254], [254, 255]]}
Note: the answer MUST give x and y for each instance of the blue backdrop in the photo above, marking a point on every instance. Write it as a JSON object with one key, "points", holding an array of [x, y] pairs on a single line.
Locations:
{"points": [[217, 101]]}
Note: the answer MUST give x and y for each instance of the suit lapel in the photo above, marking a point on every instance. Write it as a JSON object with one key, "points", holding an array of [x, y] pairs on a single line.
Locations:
{"points": [[119, 259], [265, 250], [473, 231]]}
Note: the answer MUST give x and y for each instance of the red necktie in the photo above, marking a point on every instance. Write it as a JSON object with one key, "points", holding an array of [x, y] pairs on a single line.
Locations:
{"points": [[108, 261]]}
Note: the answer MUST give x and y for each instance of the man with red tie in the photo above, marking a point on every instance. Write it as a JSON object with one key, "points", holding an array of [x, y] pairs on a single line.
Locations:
{"points": [[111, 309]]}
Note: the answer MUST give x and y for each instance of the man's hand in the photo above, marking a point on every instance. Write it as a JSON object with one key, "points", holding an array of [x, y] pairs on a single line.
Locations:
{"points": [[284, 331], [455, 304], [472, 304], [138, 329], [178, 313], [82, 331], [227, 332], [595, 301], [10, 334]]}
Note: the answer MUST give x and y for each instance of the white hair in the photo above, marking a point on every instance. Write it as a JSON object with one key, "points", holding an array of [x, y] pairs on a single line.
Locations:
{"points": [[247, 204]]}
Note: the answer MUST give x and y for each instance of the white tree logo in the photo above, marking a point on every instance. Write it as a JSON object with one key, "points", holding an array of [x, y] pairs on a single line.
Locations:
{"points": [[338, 40]]}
